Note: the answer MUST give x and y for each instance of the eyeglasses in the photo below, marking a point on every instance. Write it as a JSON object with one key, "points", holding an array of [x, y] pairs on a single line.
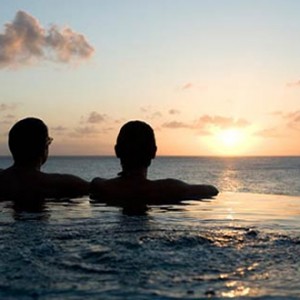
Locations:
{"points": [[49, 140]]}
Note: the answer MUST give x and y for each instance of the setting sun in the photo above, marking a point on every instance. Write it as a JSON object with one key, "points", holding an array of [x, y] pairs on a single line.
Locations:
{"points": [[230, 138], [231, 141]]}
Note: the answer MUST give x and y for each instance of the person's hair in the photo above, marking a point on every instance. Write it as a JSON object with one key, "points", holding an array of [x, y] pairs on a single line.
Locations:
{"points": [[27, 140], [135, 145]]}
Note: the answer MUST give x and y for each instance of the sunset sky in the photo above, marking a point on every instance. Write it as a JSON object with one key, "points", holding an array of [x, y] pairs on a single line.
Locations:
{"points": [[211, 77]]}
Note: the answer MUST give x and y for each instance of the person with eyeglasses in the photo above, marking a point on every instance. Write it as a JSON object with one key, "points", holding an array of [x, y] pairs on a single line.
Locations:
{"points": [[24, 182]]}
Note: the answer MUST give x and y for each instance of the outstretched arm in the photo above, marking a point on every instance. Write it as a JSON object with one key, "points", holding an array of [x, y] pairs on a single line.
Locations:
{"points": [[67, 186], [172, 190], [201, 191], [148, 192]]}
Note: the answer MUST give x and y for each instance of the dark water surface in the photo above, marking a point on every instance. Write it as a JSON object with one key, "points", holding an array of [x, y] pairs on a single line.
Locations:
{"points": [[237, 245], [241, 245]]}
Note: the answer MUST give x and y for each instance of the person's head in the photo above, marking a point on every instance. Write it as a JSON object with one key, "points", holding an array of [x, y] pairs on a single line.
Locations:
{"points": [[28, 141], [136, 145]]}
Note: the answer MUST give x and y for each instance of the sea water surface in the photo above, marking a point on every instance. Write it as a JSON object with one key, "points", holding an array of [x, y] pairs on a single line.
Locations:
{"points": [[245, 243]]}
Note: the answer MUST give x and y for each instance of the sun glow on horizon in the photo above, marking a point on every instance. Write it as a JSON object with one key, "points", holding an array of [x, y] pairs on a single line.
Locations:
{"points": [[230, 138], [231, 141]]}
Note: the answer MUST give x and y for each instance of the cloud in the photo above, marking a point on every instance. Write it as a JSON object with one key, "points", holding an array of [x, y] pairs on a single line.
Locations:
{"points": [[268, 133], [5, 106], [59, 128], [174, 112], [289, 121], [24, 40], [176, 125], [150, 112], [96, 118], [221, 122], [276, 113], [192, 85], [90, 131], [120, 121], [206, 123], [182, 125], [293, 84], [293, 116], [86, 131], [8, 119], [187, 86], [93, 125], [155, 114], [293, 119]]}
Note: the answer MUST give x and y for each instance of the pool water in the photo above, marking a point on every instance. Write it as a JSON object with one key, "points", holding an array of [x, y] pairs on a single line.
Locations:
{"points": [[236, 245]]}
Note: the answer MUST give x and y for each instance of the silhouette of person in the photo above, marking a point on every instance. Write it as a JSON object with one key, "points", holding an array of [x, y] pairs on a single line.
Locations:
{"points": [[135, 148], [24, 181]]}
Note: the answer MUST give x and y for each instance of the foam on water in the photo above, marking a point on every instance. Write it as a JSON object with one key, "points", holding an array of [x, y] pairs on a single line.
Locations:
{"points": [[237, 245]]}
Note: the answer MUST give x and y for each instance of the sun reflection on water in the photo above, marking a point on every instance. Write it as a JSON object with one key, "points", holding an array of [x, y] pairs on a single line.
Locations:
{"points": [[229, 181], [230, 214], [237, 291], [234, 286]]}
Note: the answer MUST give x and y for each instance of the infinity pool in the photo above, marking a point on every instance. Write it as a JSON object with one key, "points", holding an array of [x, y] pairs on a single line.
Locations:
{"points": [[237, 245]]}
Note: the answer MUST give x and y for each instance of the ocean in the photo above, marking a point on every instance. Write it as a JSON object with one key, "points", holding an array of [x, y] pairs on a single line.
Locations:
{"points": [[243, 244]]}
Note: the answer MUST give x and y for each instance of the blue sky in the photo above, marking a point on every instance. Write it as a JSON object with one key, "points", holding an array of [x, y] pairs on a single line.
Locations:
{"points": [[212, 77]]}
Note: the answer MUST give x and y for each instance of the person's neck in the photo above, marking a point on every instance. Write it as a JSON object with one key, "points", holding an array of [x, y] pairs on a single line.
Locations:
{"points": [[137, 172]]}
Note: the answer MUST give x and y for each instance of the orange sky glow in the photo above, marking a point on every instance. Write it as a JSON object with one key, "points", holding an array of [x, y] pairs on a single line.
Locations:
{"points": [[218, 79]]}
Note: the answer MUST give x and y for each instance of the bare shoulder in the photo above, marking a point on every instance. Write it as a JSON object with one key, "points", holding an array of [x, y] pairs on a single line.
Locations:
{"points": [[99, 181], [60, 177], [7, 183], [16, 184], [65, 185], [112, 189], [11, 176]]}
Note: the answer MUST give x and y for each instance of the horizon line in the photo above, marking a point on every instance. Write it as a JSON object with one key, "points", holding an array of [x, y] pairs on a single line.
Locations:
{"points": [[162, 156]]}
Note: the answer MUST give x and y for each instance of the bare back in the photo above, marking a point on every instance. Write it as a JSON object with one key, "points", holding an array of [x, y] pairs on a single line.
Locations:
{"points": [[22, 183]]}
